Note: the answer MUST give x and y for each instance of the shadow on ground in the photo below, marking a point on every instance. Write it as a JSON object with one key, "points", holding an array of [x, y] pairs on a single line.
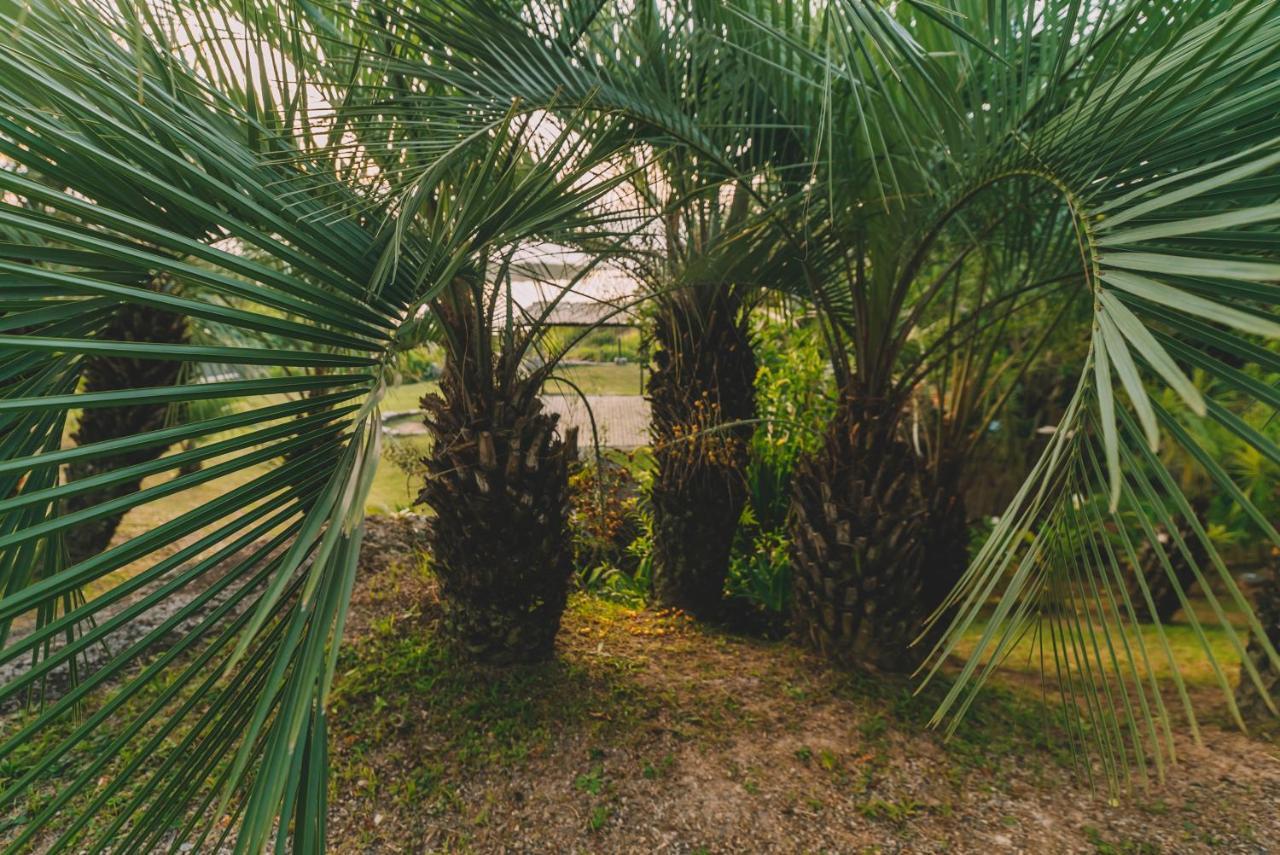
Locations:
{"points": [[650, 733]]}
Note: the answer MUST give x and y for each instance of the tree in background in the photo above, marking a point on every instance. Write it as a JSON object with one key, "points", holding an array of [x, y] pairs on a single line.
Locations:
{"points": [[130, 323], [716, 157]]}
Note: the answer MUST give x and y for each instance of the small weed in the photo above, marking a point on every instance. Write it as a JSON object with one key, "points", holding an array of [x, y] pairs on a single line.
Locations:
{"points": [[874, 727], [895, 812], [661, 769], [795, 693], [598, 818], [666, 764], [805, 754], [1157, 808], [1124, 847], [591, 782]]}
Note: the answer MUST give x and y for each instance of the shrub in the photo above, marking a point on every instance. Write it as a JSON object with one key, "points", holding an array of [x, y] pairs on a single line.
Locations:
{"points": [[611, 528]]}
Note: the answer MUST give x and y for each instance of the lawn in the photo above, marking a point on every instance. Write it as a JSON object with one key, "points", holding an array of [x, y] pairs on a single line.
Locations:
{"points": [[391, 490], [599, 345], [599, 379], [406, 396]]}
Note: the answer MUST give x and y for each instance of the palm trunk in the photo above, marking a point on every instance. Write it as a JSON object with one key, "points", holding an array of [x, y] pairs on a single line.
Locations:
{"points": [[878, 541], [500, 544], [1266, 605], [703, 378], [105, 373]]}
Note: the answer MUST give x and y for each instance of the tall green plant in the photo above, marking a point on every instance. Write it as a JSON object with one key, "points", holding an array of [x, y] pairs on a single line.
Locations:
{"points": [[1130, 156], [716, 153], [214, 736], [1109, 163]]}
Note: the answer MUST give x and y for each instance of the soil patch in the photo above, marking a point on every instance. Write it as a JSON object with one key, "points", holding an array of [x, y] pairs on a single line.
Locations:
{"points": [[650, 733]]}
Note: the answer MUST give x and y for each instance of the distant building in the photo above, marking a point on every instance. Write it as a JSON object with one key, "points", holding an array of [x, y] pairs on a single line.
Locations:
{"points": [[545, 274], [583, 313]]}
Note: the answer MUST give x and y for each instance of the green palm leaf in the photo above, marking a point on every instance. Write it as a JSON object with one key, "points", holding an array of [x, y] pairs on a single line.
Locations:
{"points": [[304, 281], [1171, 205]]}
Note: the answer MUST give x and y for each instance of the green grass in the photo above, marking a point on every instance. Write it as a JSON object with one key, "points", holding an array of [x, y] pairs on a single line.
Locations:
{"points": [[603, 379], [406, 397], [599, 345], [393, 490], [399, 679], [597, 380], [398, 686], [1185, 645]]}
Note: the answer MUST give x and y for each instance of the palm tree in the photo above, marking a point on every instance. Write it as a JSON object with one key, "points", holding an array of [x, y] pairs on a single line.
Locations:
{"points": [[107, 372], [722, 243], [1157, 152], [110, 373], [498, 469], [717, 263], [1154, 140], [879, 524], [275, 607], [702, 397], [1089, 153], [353, 261], [714, 150]]}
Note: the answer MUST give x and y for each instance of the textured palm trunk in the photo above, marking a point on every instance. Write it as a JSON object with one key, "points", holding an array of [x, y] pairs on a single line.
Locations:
{"points": [[1266, 605], [878, 541], [703, 379], [500, 545], [107, 373]]}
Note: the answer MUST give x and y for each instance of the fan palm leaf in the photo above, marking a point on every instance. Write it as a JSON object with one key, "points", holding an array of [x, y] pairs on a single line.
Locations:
{"points": [[219, 626], [1157, 137]]}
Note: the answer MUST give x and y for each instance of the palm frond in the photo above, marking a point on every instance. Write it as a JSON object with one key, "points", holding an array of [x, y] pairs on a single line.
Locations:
{"points": [[201, 650]]}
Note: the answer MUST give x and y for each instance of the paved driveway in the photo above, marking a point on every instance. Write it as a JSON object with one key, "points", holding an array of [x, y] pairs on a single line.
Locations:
{"points": [[621, 421]]}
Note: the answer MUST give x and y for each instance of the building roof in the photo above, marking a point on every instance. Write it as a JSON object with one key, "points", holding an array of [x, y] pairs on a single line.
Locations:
{"points": [[585, 313]]}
